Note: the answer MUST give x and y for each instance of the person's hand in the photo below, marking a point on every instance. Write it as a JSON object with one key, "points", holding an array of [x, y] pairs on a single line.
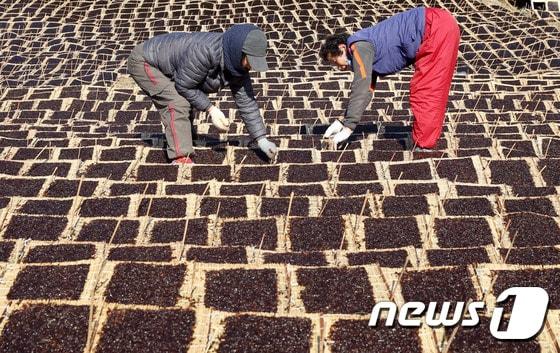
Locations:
{"points": [[342, 136], [218, 118], [269, 148], [335, 128], [337, 132]]}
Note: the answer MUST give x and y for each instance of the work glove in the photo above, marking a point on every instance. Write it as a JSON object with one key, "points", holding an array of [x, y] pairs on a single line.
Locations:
{"points": [[337, 132], [219, 120], [269, 148]]}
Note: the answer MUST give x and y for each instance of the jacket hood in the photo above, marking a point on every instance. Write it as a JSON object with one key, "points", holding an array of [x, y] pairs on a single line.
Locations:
{"points": [[232, 42]]}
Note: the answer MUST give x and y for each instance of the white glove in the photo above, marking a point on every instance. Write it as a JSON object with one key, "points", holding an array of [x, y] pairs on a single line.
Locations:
{"points": [[219, 120], [335, 128], [267, 147], [337, 132], [342, 135]]}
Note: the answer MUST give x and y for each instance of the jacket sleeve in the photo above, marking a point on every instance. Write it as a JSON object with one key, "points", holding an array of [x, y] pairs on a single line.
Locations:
{"points": [[362, 87], [242, 91], [192, 73]]}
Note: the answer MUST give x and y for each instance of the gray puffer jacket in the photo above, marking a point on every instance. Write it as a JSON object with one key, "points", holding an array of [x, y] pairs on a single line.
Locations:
{"points": [[204, 62]]}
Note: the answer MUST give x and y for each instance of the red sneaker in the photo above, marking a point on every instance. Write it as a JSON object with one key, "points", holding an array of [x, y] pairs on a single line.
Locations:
{"points": [[182, 160]]}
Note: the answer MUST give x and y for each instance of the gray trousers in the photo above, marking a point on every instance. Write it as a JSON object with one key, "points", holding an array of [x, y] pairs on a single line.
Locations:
{"points": [[175, 111]]}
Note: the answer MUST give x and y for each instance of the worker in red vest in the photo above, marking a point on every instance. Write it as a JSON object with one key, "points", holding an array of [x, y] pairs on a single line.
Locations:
{"points": [[425, 37]]}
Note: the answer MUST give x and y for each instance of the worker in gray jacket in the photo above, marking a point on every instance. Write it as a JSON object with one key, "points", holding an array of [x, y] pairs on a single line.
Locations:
{"points": [[177, 71]]}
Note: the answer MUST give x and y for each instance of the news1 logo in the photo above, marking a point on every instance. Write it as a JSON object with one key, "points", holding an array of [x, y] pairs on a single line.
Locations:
{"points": [[525, 321]]}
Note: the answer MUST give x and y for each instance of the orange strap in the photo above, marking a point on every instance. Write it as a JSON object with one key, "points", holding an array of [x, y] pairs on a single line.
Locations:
{"points": [[373, 82], [359, 60]]}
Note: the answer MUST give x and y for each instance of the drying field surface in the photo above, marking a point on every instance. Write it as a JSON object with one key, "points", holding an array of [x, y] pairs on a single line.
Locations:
{"points": [[105, 247]]}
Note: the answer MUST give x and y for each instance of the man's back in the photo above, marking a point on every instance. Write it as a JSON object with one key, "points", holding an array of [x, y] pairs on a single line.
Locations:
{"points": [[170, 51], [396, 40]]}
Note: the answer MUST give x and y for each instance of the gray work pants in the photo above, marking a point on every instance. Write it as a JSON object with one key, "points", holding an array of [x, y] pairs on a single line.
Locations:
{"points": [[175, 111]]}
